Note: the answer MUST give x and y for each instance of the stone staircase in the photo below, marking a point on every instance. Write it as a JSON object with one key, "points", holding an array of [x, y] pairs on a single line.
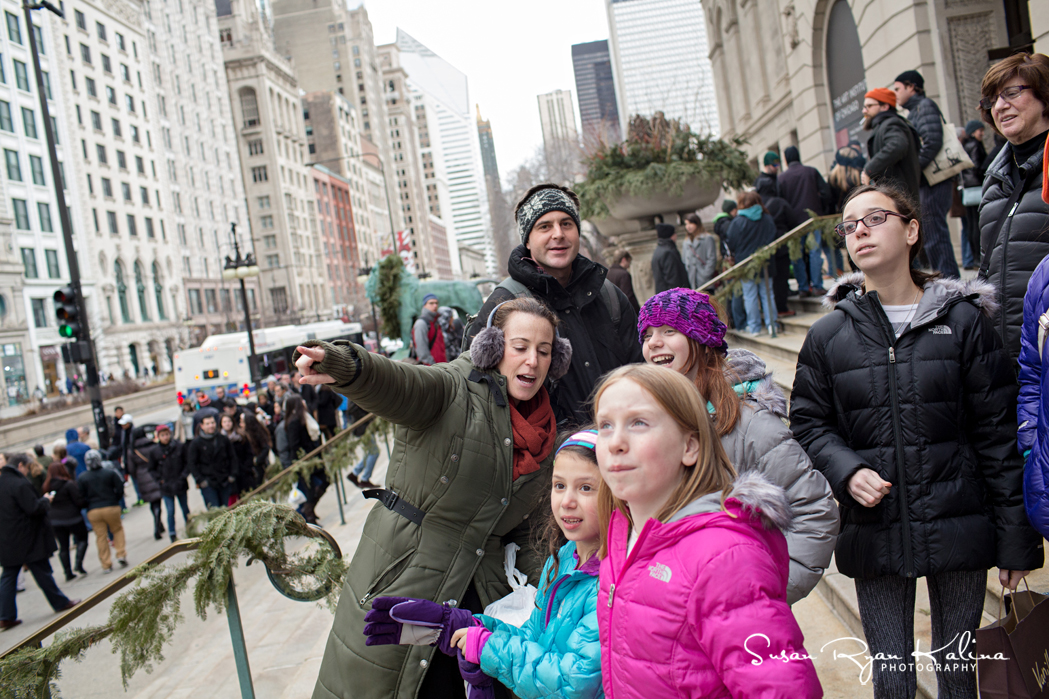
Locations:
{"points": [[835, 590]]}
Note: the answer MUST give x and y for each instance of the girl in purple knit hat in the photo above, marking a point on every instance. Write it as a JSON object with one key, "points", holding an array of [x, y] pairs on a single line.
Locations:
{"points": [[680, 329]]}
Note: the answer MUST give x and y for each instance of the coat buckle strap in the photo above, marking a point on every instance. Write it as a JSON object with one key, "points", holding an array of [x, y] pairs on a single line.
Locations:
{"points": [[395, 503]]}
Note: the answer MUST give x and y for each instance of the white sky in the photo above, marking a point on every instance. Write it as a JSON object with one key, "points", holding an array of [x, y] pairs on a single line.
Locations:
{"points": [[510, 52]]}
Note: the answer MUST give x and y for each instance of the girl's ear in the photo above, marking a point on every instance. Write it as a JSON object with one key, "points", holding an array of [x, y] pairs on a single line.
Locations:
{"points": [[912, 231], [691, 455]]}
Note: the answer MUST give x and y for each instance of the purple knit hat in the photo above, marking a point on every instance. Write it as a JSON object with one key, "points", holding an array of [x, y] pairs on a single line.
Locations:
{"points": [[687, 311]]}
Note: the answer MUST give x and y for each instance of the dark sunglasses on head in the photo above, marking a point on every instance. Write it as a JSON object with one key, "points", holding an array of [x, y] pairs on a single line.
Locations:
{"points": [[1007, 95], [874, 218]]}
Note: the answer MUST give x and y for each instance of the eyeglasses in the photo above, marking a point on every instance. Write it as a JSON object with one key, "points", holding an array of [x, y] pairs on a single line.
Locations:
{"points": [[1007, 95], [874, 218]]}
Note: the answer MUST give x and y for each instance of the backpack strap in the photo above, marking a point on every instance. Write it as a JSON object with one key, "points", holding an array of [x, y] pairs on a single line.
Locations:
{"points": [[515, 287], [1043, 327], [608, 291]]}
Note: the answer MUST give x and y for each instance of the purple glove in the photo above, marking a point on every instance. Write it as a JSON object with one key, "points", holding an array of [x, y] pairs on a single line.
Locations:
{"points": [[405, 620], [480, 683]]}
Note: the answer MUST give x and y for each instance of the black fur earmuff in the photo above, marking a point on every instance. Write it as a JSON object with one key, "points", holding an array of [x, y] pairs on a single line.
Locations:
{"points": [[487, 349]]}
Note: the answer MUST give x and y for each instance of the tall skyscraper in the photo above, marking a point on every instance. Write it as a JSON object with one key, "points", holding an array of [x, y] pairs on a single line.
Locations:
{"points": [[595, 88], [442, 101], [660, 62], [560, 136], [504, 230]]}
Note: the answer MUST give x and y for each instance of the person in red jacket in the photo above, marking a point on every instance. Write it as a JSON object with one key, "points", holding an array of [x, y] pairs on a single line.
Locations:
{"points": [[427, 338]]}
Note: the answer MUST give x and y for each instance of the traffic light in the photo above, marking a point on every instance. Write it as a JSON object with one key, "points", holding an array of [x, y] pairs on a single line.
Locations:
{"points": [[67, 313]]}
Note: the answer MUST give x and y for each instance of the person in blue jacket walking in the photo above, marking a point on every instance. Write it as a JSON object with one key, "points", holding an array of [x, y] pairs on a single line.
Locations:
{"points": [[557, 652], [1033, 433]]}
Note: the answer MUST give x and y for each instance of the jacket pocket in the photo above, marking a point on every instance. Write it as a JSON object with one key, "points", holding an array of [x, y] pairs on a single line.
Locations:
{"points": [[449, 469], [387, 576]]}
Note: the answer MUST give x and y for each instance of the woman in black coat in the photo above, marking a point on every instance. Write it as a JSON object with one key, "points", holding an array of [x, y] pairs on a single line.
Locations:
{"points": [[148, 486], [293, 437], [261, 446], [905, 399], [327, 405], [65, 515], [245, 470]]}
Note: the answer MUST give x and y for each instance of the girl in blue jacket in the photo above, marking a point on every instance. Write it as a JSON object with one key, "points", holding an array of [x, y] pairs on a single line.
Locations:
{"points": [[1033, 406], [557, 652]]}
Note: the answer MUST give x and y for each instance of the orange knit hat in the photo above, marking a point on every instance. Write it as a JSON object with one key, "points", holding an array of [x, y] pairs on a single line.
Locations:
{"points": [[883, 95]]}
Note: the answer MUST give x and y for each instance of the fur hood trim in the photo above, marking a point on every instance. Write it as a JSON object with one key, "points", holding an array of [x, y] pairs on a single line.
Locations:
{"points": [[755, 493], [979, 292], [744, 366]]}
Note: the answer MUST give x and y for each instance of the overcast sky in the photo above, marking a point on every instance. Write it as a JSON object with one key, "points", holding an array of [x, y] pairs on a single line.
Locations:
{"points": [[510, 51]]}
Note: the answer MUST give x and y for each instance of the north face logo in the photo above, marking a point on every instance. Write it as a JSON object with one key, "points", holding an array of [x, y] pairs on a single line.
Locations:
{"points": [[659, 572], [940, 330]]}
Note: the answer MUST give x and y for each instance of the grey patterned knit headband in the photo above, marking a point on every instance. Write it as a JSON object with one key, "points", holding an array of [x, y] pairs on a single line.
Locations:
{"points": [[541, 203]]}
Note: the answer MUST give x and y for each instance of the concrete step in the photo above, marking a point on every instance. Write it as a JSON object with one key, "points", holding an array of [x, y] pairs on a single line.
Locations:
{"points": [[823, 630], [806, 305], [799, 324], [783, 347]]}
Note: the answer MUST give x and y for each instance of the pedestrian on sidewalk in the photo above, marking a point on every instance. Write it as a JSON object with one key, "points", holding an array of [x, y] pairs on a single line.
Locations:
{"points": [[694, 565], [680, 330], [149, 487], [473, 447], [260, 441], [550, 654], [700, 252], [26, 539], [668, 271], [76, 448], [65, 514], [904, 399], [972, 191], [427, 337], [619, 274], [1014, 215], [103, 490], [752, 230], [361, 476], [294, 440], [167, 465], [213, 463], [935, 199], [729, 211]]}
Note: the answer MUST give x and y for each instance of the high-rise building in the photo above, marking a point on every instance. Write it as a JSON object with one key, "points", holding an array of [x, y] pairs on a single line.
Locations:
{"points": [[441, 98], [268, 118], [595, 89], [660, 62], [560, 136], [19, 376], [335, 221], [504, 229], [122, 204]]}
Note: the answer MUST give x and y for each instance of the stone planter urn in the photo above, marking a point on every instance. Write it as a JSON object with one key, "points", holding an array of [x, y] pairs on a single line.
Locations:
{"points": [[695, 194]]}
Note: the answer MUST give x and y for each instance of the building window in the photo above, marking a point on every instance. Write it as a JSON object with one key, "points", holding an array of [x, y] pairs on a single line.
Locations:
{"points": [[130, 101], [125, 189], [144, 194], [121, 160], [195, 307], [96, 121], [158, 287], [255, 146], [125, 309], [107, 187], [85, 53], [14, 29], [224, 298], [140, 289], [21, 76], [29, 122], [132, 229], [101, 29], [107, 65], [92, 91], [39, 313], [111, 216], [111, 95], [211, 301], [53, 271], [149, 228], [140, 165], [36, 166], [21, 214], [249, 107], [29, 263], [266, 221], [14, 170], [81, 21], [120, 41], [273, 261], [116, 127], [43, 209], [279, 296], [264, 202], [259, 174], [270, 241]]}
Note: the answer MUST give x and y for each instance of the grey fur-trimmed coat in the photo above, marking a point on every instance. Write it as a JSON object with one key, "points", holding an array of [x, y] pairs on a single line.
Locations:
{"points": [[762, 442], [933, 412]]}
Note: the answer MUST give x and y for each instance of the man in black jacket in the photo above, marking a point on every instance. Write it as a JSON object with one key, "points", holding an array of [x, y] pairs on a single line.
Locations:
{"points": [[935, 199], [595, 315], [804, 188], [26, 540], [892, 149], [213, 463], [619, 274], [668, 270], [972, 179], [167, 463]]}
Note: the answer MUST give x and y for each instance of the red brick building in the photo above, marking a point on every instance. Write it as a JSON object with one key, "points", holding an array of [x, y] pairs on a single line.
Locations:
{"points": [[338, 237]]}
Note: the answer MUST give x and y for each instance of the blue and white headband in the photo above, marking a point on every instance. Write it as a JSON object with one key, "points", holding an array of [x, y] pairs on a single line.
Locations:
{"points": [[584, 438]]}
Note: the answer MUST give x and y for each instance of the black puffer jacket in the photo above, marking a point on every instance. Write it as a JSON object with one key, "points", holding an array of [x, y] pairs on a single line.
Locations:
{"points": [[927, 120], [212, 461], [1022, 242], [933, 413], [167, 463], [893, 151], [67, 503], [598, 345], [668, 270], [973, 177], [27, 534]]}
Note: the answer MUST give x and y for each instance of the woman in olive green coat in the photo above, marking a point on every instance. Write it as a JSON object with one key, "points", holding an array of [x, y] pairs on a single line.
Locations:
{"points": [[471, 470]]}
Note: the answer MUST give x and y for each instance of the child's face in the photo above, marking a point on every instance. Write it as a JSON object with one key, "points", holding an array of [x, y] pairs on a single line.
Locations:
{"points": [[665, 346], [641, 449], [573, 499]]}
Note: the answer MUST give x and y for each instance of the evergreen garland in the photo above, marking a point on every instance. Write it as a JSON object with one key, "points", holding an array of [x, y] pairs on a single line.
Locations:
{"points": [[390, 269]]}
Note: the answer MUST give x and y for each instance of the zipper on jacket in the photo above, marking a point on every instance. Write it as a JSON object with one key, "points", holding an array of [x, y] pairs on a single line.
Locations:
{"points": [[1005, 263], [612, 587]]}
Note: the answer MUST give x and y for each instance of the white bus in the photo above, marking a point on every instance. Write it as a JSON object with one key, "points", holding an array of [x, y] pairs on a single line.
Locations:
{"points": [[222, 360]]}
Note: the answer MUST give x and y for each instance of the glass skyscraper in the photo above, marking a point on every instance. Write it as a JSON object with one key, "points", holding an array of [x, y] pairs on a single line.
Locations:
{"points": [[596, 90]]}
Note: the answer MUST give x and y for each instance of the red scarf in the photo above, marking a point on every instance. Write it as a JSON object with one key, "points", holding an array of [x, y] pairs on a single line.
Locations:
{"points": [[535, 429]]}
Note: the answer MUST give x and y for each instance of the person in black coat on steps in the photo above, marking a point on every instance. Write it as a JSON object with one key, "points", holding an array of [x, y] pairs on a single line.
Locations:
{"points": [[293, 437], [213, 463], [668, 269], [66, 517], [168, 466]]}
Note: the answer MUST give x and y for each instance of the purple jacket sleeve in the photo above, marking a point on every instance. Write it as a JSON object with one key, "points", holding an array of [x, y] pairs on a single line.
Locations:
{"points": [[1033, 398]]}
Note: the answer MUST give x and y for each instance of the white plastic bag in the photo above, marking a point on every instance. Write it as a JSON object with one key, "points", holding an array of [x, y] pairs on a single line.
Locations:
{"points": [[296, 497], [517, 606]]}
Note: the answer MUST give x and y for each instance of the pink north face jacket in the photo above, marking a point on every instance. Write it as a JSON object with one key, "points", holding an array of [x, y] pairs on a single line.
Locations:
{"points": [[698, 608]]}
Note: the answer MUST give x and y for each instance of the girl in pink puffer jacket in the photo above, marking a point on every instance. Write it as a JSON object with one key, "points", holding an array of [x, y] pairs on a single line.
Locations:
{"points": [[692, 596]]}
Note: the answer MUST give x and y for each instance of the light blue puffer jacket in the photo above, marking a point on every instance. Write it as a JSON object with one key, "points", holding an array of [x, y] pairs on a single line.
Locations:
{"points": [[557, 653]]}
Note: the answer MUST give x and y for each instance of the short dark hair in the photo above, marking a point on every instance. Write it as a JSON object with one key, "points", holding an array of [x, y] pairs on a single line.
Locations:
{"points": [[119, 407], [38, 449], [620, 255], [694, 219], [1033, 69]]}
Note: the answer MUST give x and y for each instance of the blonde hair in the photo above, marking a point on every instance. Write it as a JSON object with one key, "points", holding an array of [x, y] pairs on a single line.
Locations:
{"points": [[678, 397]]}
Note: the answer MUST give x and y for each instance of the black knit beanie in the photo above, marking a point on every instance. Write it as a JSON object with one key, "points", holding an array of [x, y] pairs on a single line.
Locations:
{"points": [[541, 203]]}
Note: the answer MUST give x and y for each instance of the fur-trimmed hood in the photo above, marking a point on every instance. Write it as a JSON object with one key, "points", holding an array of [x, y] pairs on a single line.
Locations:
{"points": [[755, 493], [745, 367], [938, 293]]}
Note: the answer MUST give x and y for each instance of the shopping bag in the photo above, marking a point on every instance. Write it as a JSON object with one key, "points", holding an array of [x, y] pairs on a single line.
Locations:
{"points": [[1013, 653], [971, 196], [951, 159], [296, 497], [517, 606]]}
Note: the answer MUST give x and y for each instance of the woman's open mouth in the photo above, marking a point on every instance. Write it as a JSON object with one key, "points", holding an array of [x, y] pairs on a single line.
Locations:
{"points": [[663, 359], [526, 380]]}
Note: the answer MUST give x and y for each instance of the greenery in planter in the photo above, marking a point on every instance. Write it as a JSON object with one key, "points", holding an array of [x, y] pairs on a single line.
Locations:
{"points": [[659, 156]]}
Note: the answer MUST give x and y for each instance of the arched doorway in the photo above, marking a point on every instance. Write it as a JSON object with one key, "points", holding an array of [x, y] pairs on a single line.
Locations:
{"points": [[846, 75], [132, 351]]}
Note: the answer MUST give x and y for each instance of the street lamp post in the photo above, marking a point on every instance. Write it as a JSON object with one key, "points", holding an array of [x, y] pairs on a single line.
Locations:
{"points": [[90, 366], [243, 268]]}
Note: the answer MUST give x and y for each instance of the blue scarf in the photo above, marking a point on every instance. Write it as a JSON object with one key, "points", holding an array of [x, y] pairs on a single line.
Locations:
{"points": [[753, 212]]}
